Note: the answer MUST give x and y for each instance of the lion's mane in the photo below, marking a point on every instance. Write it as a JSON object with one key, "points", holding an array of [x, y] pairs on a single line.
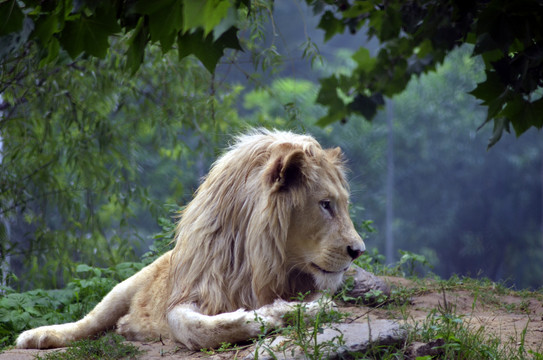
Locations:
{"points": [[230, 241]]}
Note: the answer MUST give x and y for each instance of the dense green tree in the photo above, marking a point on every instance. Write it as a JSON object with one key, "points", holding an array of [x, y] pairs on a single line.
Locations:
{"points": [[415, 36], [202, 28], [87, 150]]}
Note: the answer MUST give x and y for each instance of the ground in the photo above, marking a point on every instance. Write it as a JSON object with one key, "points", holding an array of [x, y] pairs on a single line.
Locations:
{"points": [[513, 319]]}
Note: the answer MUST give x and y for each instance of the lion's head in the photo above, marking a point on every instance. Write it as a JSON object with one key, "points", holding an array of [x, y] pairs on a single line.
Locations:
{"points": [[270, 219]]}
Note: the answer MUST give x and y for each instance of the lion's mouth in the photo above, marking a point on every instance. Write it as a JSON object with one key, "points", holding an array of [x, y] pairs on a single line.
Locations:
{"points": [[328, 271]]}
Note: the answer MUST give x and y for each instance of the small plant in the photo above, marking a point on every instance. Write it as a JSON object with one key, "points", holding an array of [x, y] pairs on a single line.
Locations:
{"points": [[409, 261], [373, 262], [111, 346], [163, 240], [225, 347], [374, 297], [301, 333]]}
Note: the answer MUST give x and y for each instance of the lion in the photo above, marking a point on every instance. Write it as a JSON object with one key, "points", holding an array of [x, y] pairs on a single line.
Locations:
{"points": [[269, 221]]}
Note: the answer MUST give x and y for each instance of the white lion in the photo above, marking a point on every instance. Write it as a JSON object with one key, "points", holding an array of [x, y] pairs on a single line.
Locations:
{"points": [[270, 220]]}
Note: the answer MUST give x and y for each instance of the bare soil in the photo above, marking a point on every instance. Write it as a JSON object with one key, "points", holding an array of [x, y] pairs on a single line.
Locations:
{"points": [[515, 319]]}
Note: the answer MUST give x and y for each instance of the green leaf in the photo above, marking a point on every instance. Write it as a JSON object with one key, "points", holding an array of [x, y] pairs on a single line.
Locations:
{"points": [[11, 17], [52, 52], [365, 62], [376, 23], [490, 89], [328, 93], [358, 9], [328, 96], [82, 268], [229, 21], [204, 48], [72, 38], [331, 25], [393, 22], [331, 117], [46, 26], [89, 33], [166, 42], [148, 7], [204, 14], [136, 48], [523, 114], [424, 48], [165, 23], [485, 43], [500, 124], [367, 106], [536, 109]]}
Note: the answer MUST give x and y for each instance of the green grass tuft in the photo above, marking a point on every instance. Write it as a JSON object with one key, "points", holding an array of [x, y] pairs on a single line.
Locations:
{"points": [[111, 346]]}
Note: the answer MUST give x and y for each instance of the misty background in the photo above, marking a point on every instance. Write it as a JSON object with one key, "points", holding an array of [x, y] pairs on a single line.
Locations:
{"points": [[420, 171]]}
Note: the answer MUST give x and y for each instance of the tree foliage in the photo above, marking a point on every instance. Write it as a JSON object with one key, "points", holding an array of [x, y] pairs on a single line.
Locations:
{"points": [[88, 150], [202, 28], [414, 35]]}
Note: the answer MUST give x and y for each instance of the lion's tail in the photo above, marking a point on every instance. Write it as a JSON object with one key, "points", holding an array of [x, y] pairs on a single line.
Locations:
{"points": [[103, 317]]}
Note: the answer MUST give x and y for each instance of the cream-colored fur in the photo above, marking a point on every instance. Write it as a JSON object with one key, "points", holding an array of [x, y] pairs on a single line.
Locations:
{"points": [[270, 220]]}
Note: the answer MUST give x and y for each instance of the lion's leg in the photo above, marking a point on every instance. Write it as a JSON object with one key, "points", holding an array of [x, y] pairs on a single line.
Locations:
{"points": [[197, 331], [103, 317]]}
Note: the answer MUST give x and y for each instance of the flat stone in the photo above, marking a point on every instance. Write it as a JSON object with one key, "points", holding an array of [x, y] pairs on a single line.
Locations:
{"points": [[336, 341]]}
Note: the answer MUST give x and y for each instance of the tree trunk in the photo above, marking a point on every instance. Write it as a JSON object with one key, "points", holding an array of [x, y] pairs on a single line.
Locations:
{"points": [[389, 231]]}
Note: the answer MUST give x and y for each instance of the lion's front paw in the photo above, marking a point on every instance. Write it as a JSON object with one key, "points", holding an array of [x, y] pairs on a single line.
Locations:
{"points": [[272, 314], [40, 338], [312, 308]]}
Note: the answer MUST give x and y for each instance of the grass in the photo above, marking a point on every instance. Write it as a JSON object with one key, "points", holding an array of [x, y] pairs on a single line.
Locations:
{"points": [[108, 347], [454, 335]]}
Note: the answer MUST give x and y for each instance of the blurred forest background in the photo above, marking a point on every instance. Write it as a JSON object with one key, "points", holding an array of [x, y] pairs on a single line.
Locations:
{"points": [[94, 160]]}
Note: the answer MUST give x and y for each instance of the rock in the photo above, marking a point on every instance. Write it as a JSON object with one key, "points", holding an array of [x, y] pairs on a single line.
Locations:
{"points": [[364, 282], [336, 341], [433, 349]]}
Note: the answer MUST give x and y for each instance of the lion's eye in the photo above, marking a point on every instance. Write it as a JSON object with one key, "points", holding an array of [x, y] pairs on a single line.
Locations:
{"points": [[326, 205]]}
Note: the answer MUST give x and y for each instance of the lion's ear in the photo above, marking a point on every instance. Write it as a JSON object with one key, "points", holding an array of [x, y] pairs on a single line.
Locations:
{"points": [[335, 153], [286, 171]]}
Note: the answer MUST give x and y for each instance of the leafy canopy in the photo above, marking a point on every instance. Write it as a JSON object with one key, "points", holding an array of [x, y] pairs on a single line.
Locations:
{"points": [[202, 28], [414, 35]]}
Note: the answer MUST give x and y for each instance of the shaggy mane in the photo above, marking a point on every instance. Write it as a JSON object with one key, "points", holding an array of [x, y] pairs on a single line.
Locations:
{"points": [[230, 241]]}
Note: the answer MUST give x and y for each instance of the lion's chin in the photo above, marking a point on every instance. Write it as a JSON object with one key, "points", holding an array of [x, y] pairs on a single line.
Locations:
{"points": [[320, 269], [312, 279], [327, 279]]}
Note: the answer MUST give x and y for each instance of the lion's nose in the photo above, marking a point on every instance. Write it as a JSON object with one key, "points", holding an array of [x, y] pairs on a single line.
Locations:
{"points": [[354, 251]]}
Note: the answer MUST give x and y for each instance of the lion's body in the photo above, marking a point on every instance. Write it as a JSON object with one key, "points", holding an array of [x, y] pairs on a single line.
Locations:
{"points": [[270, 220]]}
